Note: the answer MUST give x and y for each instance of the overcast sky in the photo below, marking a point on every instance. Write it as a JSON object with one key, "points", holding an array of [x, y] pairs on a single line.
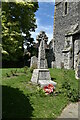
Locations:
{"points": [[44, 19]]}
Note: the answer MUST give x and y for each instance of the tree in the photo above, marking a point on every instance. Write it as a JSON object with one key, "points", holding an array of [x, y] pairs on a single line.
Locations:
{"points": [[18, 20]]}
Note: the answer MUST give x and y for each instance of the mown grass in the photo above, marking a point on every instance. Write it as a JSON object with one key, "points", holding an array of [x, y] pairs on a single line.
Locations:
{"points": [[21, 101], [61, 75]]}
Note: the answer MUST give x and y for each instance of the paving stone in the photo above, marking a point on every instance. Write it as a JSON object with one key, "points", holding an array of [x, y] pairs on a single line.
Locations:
{"points": [[70, 111]]}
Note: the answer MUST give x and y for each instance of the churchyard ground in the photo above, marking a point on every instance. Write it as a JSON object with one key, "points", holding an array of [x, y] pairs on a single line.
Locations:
{"points": [[21, 99]]}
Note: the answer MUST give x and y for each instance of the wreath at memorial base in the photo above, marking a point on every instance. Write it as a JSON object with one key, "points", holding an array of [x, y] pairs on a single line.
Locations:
{"points": [[49, 89]]}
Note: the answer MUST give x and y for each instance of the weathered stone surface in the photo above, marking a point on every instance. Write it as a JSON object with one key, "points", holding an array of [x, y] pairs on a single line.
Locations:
{"points": [[41, 36], [43, 83], [40, 74], [42, 77], [67, 53], [34, 61], [46, 65], [34, 78], [77, 70], [66, 25], [50, 54], [67, 60], [41, 55], [76, 49], [44, 74]]}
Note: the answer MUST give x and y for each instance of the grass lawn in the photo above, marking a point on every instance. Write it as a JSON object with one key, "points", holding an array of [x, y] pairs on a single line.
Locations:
{"points": [[21, 99]]}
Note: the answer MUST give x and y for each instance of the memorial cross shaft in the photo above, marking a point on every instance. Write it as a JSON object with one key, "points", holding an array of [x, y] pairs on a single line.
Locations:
{"points": [[41, 55]]}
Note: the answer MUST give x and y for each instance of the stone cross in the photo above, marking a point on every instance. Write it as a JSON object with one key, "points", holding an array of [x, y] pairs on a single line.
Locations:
{"points": [[41, 76], [41, 36], [41, 55], [42, 40]]}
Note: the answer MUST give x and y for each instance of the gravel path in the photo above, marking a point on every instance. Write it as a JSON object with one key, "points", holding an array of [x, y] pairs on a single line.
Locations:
{"points": [[71, 111]]}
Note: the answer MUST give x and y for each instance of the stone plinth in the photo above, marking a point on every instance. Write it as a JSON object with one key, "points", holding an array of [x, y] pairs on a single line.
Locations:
{"points": [[42, 77], [43, 83], [40, 74], [77, 70]]}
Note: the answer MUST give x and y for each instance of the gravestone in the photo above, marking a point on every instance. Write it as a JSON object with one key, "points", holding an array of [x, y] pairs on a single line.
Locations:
{"points": [[77, 70], [33, 61], [41, 75], [53, 64]]}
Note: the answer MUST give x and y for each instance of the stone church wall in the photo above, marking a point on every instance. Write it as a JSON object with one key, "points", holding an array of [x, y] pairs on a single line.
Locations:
{"points": [[62, 24], [79, 13], [76, 50]]}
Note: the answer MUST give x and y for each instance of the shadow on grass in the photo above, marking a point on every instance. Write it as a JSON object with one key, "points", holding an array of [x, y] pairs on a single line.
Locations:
{"points": [[15, 104], [53, 78]]}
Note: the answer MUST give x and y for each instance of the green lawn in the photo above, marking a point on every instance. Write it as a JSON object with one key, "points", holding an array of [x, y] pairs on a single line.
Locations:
{"points": [[21, 99]]}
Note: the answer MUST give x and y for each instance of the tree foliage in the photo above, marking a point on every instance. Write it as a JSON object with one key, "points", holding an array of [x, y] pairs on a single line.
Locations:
{"points": [[18, 20]]}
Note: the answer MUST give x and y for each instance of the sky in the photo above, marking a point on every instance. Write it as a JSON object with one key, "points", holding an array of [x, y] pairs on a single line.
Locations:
{"points": [[44, 19]]}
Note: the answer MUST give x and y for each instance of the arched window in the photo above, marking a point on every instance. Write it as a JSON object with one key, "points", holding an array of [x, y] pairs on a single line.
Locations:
{"points": [[66, 8]]}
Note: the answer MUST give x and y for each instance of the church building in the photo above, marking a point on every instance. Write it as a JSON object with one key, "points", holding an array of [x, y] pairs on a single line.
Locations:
{"points": [[66, 34]]}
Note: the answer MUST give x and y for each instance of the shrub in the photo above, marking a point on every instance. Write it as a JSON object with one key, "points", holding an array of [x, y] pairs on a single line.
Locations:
{"points": [[7, 75], [13, 73], [66, 85], [25, 69], [72, 94]]}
